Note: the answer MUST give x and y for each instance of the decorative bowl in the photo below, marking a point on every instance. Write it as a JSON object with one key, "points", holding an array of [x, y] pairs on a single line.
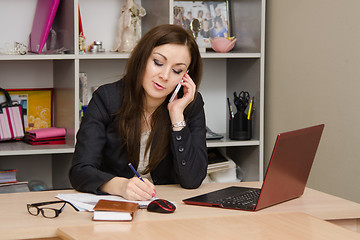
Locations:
{"points": [[222, 44]]}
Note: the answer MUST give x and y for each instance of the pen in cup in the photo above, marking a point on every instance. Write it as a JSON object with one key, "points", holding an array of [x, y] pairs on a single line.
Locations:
{"points": [[250, 108], [231, 113]]}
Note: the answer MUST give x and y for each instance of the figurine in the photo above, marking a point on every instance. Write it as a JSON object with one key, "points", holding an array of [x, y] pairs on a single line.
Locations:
{"points": [[129, 27], [195, 27]]}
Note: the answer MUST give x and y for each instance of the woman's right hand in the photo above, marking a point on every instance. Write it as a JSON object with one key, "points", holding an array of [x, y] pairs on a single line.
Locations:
{"points": [[131, 189], [135, 189]]}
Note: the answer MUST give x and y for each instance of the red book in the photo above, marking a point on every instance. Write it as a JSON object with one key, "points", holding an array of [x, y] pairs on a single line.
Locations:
{"points": [[8, 176], [44, 142]]}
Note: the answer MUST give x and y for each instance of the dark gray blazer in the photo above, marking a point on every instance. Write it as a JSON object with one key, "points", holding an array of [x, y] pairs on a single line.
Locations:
{"points": [[99, 156]]}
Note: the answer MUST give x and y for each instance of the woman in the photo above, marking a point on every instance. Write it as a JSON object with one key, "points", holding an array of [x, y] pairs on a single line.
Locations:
{"points": [[205, 31], [219, 30], [132, 121]]}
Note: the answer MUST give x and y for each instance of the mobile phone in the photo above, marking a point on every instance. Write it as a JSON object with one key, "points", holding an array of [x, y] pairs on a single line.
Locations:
{"points": [[178, 86]]}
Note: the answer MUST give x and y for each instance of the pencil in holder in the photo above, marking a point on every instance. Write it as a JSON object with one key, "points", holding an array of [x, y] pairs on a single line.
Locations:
{"points": [[240, 127]]}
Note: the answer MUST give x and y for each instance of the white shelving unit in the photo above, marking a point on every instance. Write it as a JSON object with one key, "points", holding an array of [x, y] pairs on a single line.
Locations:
{"points": [[224, 73]]}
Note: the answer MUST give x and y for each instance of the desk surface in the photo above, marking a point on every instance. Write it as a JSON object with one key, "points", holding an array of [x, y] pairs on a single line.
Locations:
{"points": [[16, 222], [279, 226]]}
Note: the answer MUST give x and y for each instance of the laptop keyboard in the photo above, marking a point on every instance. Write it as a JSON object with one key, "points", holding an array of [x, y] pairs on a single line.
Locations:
{"points": [[237, 201]]}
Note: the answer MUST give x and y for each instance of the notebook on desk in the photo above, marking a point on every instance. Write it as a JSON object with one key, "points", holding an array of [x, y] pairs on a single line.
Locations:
{"points": [[285, 179]]}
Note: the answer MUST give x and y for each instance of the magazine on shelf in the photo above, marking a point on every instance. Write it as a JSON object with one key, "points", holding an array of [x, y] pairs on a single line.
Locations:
{"points": [[44, 16]]}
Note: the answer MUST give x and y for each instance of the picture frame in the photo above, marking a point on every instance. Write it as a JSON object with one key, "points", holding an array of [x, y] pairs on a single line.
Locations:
{"points": [[204, 19], [37, 106]]}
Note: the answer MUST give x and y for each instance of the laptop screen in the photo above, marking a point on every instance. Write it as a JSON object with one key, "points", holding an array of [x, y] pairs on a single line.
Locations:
{"points": [[287, 175]]}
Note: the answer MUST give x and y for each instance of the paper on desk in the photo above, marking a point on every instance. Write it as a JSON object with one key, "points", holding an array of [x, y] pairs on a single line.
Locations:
{"points": [[87, 201]]}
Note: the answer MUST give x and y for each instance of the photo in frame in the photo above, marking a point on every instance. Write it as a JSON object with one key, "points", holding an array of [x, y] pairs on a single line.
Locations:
{"points": [[204, 19], [36, 104]]}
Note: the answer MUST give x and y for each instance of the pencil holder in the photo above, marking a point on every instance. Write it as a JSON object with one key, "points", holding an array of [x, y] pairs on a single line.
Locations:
{"points": [[240, 128]]}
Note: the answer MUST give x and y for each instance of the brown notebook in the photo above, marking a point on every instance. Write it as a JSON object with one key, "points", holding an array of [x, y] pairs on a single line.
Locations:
{"points": [[107, 210]]}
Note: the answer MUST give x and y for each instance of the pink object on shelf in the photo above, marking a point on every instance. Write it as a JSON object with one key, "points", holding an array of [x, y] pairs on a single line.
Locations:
{"points": [[222, 44], [47, 132], [43, 19]]}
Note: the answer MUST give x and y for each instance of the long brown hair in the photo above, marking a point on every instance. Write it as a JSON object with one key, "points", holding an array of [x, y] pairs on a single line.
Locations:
{"points": [[131, 111]]}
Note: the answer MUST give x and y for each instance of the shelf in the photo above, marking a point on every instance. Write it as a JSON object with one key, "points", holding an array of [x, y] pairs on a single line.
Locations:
{"points": [[110, 55], [226, 142], [21, 148], [223, 73], [230, 55], [105, 55], [30, 56]]}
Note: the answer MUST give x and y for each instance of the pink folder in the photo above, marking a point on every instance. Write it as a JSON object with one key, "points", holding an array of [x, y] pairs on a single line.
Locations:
{"points": [[47, 132], [43, 19]]}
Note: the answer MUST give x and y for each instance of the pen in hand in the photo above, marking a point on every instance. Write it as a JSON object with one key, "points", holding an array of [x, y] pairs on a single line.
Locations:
{"points": [[136, 173]]}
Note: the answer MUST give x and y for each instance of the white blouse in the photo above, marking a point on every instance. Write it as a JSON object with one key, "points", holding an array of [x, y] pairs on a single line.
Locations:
{"points": [[144, 160]]}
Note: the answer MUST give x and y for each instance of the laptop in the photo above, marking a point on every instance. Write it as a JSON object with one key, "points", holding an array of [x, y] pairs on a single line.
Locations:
{"points": [[285, 178]]}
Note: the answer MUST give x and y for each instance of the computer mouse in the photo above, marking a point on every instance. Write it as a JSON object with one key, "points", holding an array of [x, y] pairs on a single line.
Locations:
{"points": [[161, 206]]}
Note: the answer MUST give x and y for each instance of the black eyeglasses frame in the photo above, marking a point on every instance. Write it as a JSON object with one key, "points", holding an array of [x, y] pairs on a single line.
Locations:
{"points": [[40, 210]]}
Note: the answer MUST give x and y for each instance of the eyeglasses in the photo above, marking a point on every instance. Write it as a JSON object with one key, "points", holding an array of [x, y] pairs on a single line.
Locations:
{"points": [[34, 209]]}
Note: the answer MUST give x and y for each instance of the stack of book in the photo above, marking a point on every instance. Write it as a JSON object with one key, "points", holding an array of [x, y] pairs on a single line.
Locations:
{"points": [[220, 167], [9, 184], [52, 135], [218, 161], [8, 176]]}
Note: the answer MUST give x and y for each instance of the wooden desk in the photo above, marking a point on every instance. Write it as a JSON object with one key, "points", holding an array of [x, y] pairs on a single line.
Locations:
{"points": [[275, 226], [16, 222]]}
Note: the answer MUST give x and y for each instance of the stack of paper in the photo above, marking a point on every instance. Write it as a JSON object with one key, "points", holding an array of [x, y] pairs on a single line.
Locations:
{"points": [[14, 187], [87, 201]]}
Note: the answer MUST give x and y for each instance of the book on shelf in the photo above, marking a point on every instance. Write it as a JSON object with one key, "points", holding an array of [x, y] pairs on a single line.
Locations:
{"points": [[42, 136], [8, 176], [83, 93], [107, 210], [14, 187], [44, 141], [218, 161], [43, 19], [49, 132]]}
